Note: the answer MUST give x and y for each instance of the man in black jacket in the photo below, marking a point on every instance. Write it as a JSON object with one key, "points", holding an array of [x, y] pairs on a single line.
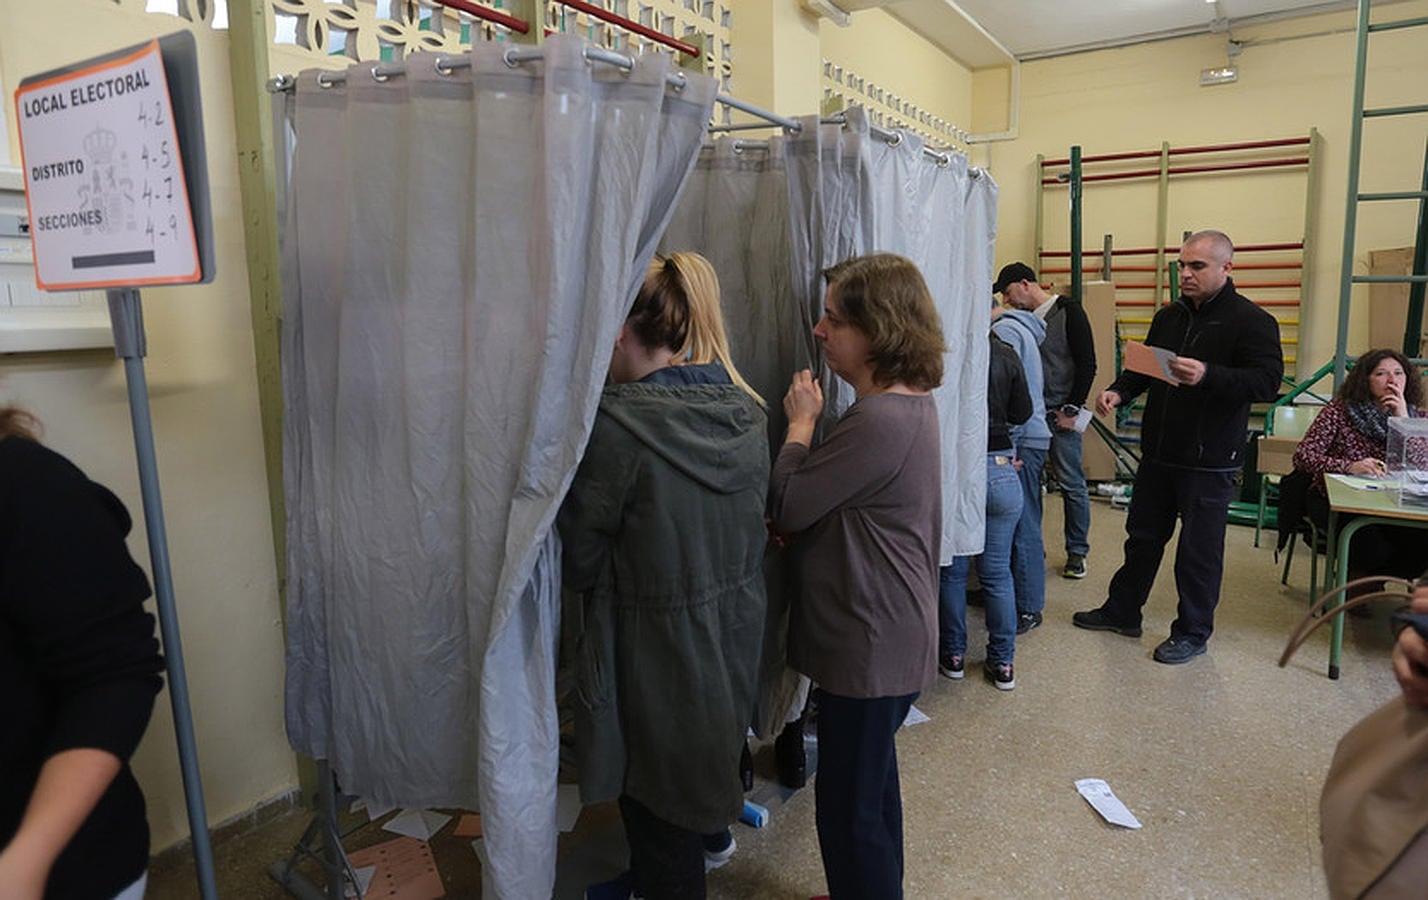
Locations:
{"points": [[1192, 438]]}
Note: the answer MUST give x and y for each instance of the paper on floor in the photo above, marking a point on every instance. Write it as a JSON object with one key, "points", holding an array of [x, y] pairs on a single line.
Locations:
{"points": [[567, 806], [1105, 802], [364, 882], [915, 716], [421, 824]]}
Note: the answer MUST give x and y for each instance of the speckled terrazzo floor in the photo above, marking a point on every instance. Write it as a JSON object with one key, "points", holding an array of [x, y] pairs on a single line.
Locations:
{"points": [[1220, 759]]}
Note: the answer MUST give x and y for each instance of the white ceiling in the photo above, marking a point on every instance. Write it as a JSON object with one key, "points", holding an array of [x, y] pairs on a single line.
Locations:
{"points": [[982, 32]]}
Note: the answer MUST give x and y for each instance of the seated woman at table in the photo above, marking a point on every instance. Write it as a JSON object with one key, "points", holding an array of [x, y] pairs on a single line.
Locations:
{"points": [[1350, 436]]}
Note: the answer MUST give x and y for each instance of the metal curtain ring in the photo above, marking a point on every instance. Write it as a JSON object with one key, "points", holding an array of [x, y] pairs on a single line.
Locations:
{"points": [[680, 82], [377, 75], [895, 139], [442, 68], [323, 81]]}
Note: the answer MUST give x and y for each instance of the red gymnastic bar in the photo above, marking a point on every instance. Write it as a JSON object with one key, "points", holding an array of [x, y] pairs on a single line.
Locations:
{"points": [[1178, 151], [631, 25], [520, 26], [1190, 170]]}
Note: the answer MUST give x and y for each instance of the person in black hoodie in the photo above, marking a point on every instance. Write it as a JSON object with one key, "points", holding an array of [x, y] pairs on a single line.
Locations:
{"points": [[1008, 404], [80, 668], [1192, 441]]}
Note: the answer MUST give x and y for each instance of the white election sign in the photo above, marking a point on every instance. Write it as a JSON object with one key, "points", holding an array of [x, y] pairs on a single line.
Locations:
{"points": [[104, 181]]}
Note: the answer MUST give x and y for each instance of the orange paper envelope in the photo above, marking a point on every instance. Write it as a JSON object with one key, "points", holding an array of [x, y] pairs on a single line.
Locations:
{"points": [[1148, 360]]}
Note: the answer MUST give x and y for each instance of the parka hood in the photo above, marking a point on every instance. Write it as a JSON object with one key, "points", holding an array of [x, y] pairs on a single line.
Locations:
{"points": [[710, 432]]}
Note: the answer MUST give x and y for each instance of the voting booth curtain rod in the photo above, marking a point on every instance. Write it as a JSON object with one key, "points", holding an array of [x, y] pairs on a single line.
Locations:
{"points": [[515, 56]]}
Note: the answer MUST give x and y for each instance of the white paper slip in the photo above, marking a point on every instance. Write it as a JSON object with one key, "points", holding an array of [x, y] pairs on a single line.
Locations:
{"points": [[915, 716], [364, 881], [567, 806], [1105, 802], [478, 846], [1083, 419], [421, 824]]}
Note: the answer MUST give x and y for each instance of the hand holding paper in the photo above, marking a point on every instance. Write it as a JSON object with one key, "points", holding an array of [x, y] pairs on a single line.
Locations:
{"points": [[1152, 361]]}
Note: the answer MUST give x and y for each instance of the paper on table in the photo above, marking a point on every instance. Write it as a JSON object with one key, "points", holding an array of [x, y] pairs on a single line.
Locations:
{"points": [[1083, 419], [567, 806], [1148, 360], [1362, 482], [915, 716], [421, 824], [1105, 802], [405, 870]]}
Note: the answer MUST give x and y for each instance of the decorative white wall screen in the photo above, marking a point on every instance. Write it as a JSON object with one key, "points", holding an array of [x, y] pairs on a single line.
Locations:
{"points": [[886, 108], [389, 29]]}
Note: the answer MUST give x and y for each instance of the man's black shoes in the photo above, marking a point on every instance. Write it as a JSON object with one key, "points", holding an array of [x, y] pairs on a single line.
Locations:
{"points": [[1097, 620]]}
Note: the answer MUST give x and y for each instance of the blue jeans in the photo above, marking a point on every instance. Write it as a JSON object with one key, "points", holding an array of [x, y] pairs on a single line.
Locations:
{"points": [[1004, 502], [1028, 561], [1070, 479]]}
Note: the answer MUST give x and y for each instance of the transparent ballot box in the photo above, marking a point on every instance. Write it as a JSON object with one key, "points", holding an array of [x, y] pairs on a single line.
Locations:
{"points": [[1408, 460]]}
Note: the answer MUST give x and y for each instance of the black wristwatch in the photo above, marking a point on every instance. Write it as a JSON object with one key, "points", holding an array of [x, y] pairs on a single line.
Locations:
{"points": [[1070, 410]]}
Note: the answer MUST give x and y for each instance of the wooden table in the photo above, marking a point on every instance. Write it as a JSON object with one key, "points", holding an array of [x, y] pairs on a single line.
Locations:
{"points": [[1369, 507]]}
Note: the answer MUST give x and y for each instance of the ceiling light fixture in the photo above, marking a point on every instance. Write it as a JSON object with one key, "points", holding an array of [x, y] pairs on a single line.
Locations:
{"points": [[1219, 75]]}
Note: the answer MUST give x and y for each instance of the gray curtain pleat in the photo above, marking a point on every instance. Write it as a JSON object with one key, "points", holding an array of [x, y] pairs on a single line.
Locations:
{"points": [[845, 193], [460, 253]]}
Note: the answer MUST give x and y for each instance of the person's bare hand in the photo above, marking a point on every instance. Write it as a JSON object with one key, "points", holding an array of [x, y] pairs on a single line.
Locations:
{"points": [[1392, 401], [1188, 371], [1065, 422], [802, 404], [1369, 466], [1107, 401], [804, 400]]}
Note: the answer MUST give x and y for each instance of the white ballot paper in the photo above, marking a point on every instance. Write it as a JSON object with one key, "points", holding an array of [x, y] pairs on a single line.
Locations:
{"points": [[1083, 419], [915, 716], [567, 806], [1105, 802], [421, 824]]}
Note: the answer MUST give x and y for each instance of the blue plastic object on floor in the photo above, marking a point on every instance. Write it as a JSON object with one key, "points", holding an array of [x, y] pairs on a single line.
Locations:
{"points": [[754, 814]]}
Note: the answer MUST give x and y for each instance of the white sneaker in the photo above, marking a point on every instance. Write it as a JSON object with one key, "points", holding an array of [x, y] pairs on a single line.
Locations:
{"points": [[713, 859]]}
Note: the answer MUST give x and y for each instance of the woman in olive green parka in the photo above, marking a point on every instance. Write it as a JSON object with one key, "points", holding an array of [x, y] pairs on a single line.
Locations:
{"points": [[663, 536]]}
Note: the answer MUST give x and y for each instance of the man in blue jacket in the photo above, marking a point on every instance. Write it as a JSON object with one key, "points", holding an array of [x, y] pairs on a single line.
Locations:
{"points": [[1068, 364], [1192, 441]]}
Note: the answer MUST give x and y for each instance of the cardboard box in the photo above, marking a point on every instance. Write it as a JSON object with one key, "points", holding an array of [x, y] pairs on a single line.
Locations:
{"points": [[1388, 303], [1275, 455]]}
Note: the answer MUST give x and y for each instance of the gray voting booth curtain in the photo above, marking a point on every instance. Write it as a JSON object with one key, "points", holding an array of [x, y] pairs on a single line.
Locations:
{"points": [[460, 250], [852, 193], [771, 219]]}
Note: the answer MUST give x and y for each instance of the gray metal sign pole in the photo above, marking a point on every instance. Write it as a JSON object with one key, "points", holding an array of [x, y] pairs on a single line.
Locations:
{"points": [[130, 345]]}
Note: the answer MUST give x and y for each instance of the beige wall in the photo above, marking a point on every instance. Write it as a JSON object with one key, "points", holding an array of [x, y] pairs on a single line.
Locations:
{"points": [[204, 396], [1289, 82]]}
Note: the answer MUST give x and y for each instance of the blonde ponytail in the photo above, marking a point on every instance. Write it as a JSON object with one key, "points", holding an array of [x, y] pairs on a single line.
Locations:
{"points": [[705, 340]]}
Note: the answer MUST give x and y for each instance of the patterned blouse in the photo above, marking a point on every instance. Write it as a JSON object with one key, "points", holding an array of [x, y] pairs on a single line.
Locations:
{"points": [[1332, 443]]}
